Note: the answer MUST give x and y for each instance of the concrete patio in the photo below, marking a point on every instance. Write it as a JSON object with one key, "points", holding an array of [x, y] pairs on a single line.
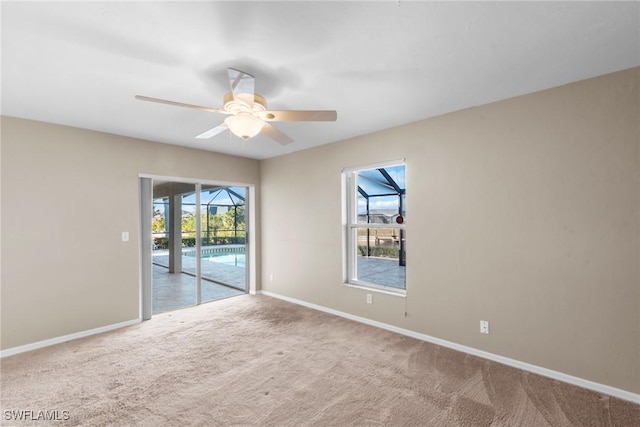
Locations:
{"points": [[172, 291], [382, 271]]}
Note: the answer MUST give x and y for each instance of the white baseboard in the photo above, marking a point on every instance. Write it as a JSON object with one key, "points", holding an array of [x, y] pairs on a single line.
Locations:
{"points": [[580, 382], [46, 343]]}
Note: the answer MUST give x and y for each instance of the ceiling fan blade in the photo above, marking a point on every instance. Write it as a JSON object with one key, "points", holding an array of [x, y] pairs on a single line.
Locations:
{"points": [[276, 135], [242, 86], [298, 116], [180, 104], [213, 132]]}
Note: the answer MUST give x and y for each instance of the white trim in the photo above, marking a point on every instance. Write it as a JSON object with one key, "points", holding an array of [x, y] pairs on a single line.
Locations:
{"points": [[145, 292], [374, 165], [560, 376], [199, 243], [184, 180], [372, 287], [344, 194], [251, 269], [46, 343]]}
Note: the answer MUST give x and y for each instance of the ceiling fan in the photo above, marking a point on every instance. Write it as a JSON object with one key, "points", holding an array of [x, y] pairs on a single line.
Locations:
{"points": [[247, 111]]}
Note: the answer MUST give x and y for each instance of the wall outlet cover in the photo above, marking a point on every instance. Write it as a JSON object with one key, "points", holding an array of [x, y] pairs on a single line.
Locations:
{"points": [[484, 327]]}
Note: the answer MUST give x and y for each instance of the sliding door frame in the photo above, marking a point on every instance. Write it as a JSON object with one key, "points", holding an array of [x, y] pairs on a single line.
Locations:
{"points": [[145, 188], [146, 202]]}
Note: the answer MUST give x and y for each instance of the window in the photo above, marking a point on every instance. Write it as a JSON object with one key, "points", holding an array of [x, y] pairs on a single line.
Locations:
{"points": [[375, 235]]}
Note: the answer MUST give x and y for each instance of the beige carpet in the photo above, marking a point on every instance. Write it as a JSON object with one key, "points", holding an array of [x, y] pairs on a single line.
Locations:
{"points": [[260, 361]]}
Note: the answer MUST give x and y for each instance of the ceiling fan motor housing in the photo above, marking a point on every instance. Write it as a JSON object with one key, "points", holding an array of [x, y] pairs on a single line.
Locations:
{"points": [[241, 103]]}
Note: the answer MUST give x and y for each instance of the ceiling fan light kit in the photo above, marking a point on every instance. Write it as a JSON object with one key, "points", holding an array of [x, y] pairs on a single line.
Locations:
{"points": [[244, 125], [247, 110]]}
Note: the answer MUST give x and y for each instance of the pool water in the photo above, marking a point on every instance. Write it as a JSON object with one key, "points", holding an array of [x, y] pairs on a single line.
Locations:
{"points": [[236, 259]]}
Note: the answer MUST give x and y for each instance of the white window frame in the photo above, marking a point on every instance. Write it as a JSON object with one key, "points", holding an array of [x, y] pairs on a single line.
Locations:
{"points": [[351, 225]]}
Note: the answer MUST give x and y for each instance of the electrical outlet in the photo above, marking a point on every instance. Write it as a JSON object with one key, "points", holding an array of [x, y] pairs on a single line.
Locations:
{"points": [[369, 299], [271, 277], [484, 327], [125, 236]]}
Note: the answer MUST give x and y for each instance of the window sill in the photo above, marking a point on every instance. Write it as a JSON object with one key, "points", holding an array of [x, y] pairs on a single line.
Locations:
{"points": [[380, 290]]}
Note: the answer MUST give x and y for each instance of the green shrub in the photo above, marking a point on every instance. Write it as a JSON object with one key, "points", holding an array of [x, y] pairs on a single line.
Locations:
{"points": [[379, 251], [231, 240], [189, 242], [161, 243]]}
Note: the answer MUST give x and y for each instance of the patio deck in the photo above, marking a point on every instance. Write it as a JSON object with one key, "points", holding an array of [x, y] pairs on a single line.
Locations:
{"points": [[231, 275], [172, 291], [382, 271]]}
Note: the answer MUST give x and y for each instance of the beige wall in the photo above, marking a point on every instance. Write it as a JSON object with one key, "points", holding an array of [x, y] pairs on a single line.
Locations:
{"points": [[524, 212], [67, 194]]}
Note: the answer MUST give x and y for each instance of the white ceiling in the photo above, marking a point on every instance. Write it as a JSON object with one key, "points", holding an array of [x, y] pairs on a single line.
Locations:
{"points": [[379, 64]]}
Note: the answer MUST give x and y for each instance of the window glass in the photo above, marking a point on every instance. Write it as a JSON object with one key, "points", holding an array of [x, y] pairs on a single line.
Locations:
{"points": [[375, 235]]}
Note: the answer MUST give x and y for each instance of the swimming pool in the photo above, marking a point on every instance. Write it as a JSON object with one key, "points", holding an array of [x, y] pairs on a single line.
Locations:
{"points": [[228, 256], [236, 259]]}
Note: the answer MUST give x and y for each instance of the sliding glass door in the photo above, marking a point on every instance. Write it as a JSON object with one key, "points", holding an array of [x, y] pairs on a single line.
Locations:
{"points": [[174, 279], [224, 240], [199, 243]]}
